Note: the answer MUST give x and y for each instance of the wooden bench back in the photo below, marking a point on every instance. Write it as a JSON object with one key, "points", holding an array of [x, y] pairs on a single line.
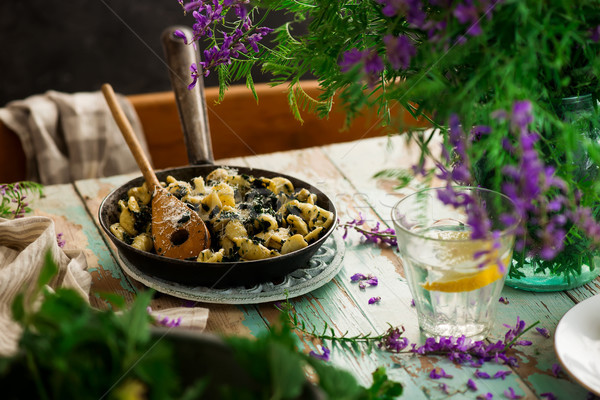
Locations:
{"points": [[239, 126]]}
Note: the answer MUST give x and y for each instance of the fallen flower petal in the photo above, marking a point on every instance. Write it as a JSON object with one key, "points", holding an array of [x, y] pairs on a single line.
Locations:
{"points": [[502, 374], [324, 356], [510, 393], [358, 277], [543, 331], [438, 373], [471, 385], [556, 369], [374, 300], [503, 300], [482, 375]]}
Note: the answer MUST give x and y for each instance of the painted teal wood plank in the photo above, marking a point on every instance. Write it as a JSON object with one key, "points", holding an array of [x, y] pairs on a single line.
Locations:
{"points": [[64, 206], [536, 361], [586, 291]]}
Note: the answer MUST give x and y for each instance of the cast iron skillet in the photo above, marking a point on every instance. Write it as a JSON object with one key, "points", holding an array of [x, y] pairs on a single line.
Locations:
{"points": [[192, 111]]}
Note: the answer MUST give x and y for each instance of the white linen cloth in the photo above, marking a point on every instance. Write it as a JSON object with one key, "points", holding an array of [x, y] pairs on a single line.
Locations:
{"points": [[67, 137], [24, 243]]}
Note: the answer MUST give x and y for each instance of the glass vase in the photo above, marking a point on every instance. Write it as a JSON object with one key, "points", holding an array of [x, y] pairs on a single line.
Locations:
{"points": [[583, 264], [537, 279]]}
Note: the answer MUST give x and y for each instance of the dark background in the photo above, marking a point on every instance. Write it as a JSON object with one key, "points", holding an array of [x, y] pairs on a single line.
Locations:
{"points": [[76, 45]]}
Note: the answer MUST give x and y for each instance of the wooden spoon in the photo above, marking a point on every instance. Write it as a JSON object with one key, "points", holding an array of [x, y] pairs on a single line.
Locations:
{"points": [[177, 230]]}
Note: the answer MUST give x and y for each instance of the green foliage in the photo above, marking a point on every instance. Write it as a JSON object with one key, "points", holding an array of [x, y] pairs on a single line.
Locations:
{"points": [[69, 350], [327, 333], [13, 195]]}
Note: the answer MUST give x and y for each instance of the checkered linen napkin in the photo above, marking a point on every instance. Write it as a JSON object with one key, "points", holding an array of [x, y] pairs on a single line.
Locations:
{"points": [[71, 136], [23, 246]]}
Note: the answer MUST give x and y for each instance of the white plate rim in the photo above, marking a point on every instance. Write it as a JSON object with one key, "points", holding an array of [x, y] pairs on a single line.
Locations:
{"points": [[558, 340]]}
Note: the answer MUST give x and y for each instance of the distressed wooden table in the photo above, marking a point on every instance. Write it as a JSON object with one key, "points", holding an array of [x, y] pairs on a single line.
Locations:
{"points": [[345, 172]]}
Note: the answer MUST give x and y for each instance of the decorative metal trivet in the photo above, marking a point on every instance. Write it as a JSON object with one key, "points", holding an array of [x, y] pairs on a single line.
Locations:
{"points": [[320, 269]]}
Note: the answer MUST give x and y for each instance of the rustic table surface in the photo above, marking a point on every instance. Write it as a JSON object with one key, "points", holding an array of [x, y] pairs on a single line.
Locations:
{"points": [[345, 172]]}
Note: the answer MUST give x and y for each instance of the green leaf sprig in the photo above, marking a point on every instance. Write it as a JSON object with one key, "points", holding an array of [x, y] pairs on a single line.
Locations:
{"points": [[328, 333], [13, 197]]}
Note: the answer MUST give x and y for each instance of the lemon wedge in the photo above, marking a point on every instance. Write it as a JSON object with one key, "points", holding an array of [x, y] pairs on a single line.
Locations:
{"points": [[461, 254], [453, 282]]}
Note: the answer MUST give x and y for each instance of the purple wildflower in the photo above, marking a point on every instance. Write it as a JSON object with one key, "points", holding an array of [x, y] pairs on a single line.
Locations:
{"points": [[459, 350], [411, 9], [255, 37], [503, 300], [324, 356], [521, 115], [372, 281], [379, 235], [373, 67], [502, 374], [372, 64], [374, 300], [178, 33], [412, 303], [194, 75], [586, 222], [510, 393], [169, 322], [364, 280], [467, 13], [471, 385], [549, 396], [595, 34], [543, 331], [358, 277], [165, 321], [350, 59], [487, 396], [529, 184], [393, 340], [482, 375], [556, 369], [59, 239], [399, 51], [355, 223], [480, 130], [191, 5], [438, 373], [515, 331], [207, 16]]}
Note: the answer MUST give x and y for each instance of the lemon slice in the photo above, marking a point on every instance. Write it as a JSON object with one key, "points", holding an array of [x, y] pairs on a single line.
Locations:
{"points": [[462, 257], [453, 281]]}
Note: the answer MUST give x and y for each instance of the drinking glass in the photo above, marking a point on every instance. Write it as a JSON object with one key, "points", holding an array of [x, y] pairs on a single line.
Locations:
{"points": [[455, 278]]}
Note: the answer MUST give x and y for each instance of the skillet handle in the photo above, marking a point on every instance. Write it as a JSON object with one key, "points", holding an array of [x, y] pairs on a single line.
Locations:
{"points": [[191, 104]]}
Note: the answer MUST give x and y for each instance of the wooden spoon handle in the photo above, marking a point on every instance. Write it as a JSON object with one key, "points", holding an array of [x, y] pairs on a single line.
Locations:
{"points": [[129, 135]]}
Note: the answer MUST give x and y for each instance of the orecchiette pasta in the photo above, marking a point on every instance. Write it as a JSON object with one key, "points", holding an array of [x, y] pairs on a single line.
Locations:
{"points": [[249, 218]]}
